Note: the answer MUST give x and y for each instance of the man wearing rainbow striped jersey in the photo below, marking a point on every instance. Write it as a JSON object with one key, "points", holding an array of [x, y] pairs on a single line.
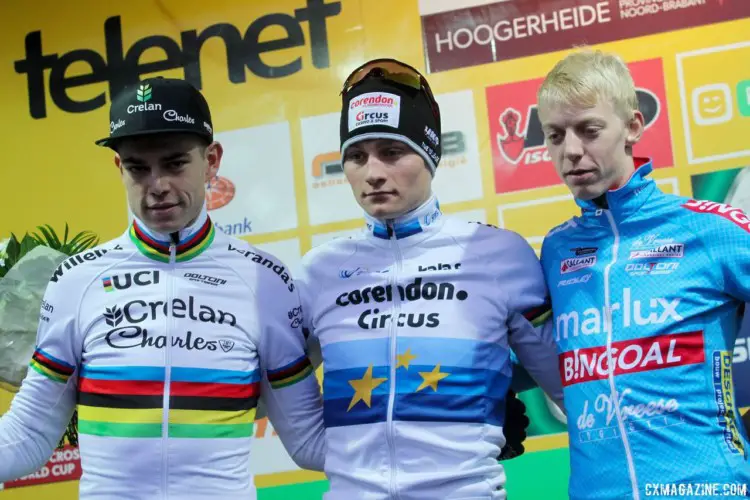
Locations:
{"points": [[166, 337]]}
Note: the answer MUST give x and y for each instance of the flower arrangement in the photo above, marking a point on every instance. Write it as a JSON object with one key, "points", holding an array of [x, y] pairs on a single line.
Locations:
{"points": [[26, 266]]}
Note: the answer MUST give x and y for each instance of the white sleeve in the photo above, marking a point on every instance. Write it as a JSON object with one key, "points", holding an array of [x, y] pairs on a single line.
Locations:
{"points": [[39, 414], [289, 388], [530, 321], [308, 289]]}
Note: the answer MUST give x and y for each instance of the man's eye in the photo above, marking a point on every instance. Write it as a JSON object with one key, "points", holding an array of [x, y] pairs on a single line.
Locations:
{"points": [[177, 164], [391, 152], [136, 169], [592, 132], [354, 156], [554, 137]]}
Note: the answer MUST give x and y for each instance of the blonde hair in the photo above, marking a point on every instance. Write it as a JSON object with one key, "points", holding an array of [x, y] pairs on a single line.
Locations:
{"points": [[584, 77]]}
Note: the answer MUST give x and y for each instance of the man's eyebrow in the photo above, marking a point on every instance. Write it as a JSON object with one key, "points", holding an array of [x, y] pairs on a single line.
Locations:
{"points": [[133, 160], [389, 142], [589, 120], [580, 123], [174, 156]]}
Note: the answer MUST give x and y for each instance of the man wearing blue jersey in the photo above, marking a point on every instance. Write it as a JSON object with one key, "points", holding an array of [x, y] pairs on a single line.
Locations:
{"points": [[416, 315], [647, 293]]}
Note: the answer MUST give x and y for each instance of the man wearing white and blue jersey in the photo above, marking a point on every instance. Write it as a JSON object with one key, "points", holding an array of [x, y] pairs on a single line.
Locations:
{"points": [[416, 315], [648, 291]]}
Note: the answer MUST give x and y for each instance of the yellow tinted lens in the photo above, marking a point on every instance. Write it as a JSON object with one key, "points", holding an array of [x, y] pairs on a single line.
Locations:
{"points": [[391, 71]]}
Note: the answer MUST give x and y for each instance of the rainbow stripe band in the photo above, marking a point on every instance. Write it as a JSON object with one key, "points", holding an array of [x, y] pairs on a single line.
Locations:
{"points": [[128, 401], [51, 367], [187, 250], [539, 315], [290, 374]]}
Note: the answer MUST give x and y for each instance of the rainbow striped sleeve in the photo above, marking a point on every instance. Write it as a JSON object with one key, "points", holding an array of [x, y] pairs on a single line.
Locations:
{"points": [[51, 367], [290, 374], [538, 315]]}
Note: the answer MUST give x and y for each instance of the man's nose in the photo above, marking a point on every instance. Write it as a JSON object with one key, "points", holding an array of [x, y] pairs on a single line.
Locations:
{"points": [[159, 184], [573, 146], [376, 171]]}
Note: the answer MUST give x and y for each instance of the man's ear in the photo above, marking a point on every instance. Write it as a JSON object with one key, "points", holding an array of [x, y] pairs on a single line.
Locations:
{"points": [[118, 163], [214, 153], [636, 126]]}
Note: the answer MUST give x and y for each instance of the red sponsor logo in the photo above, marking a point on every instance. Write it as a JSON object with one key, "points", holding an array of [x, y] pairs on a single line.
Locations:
{"points": [[379, 100], [632, 356], [577, 263], [519, 156], [219, 193], [361, 116], [500, 31], [727, 211], [64, 465]]}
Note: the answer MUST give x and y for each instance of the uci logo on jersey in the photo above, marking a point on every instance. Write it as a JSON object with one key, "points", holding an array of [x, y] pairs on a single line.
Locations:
{"points": [[125, 281]]}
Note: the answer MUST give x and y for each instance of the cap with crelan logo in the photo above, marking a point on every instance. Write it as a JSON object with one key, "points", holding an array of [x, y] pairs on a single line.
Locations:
{"points": [[158, 105]]}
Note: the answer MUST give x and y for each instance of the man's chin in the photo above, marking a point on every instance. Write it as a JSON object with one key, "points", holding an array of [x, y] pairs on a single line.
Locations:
{"points": [[586, 193], [164, 225], [383, 211]]}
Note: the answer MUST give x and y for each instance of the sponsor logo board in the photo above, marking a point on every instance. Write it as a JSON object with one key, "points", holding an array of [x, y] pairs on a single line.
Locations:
{"points": [[472, 32]]}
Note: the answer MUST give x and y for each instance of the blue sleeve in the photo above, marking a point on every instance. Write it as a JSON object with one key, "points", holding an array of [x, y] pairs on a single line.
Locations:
{"points": [[734, 255], [726, 233]]}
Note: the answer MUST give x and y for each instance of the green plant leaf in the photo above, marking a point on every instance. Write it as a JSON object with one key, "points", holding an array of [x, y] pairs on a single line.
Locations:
{"points": [[27, 244], [12, 249], [50, 237], [46, 237], [80, 242], [89, 241], [54, 235], [77, 238]]}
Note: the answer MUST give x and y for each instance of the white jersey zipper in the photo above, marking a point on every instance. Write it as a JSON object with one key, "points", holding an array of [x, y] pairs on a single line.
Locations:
{"points": [[611, 366], [167, 367], [392, 341]]}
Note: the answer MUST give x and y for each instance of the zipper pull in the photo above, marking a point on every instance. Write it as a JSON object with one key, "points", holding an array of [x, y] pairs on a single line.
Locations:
{"points": [[174, 240], [389, 227]]}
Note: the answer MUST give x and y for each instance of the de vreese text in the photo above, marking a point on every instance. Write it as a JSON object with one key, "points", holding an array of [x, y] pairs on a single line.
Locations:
{"points": [[122, 68]]}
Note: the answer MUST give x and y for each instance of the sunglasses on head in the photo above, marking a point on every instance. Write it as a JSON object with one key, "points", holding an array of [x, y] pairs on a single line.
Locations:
{"points": [[394, 71]]}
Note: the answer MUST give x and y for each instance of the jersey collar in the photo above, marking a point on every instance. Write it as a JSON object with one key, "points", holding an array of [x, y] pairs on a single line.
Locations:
{"points": [[625, 200], [423, 220], [192, 240]]}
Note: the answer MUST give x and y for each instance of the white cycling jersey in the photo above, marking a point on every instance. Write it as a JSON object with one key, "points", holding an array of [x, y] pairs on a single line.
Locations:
{"points": [[415, 321], [157, 422]]}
